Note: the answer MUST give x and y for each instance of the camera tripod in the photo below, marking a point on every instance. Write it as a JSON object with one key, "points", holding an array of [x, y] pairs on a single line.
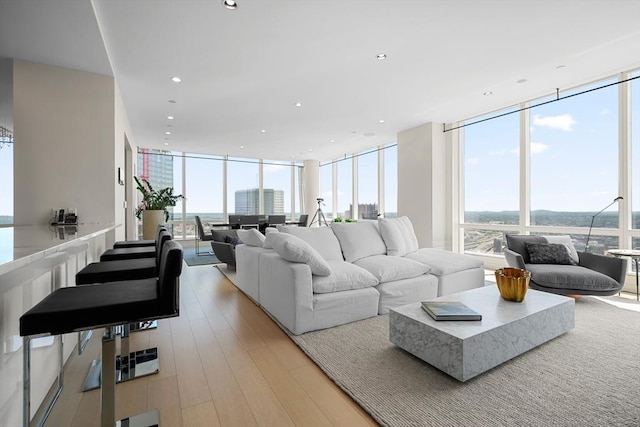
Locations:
{"points": [[319, 216]]}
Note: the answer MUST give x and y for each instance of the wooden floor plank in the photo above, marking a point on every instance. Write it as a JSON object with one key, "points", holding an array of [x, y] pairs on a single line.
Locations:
{"points": [[223, 362]]}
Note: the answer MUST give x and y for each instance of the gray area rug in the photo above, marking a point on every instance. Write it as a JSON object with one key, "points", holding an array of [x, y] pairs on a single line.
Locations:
{"points": [[589, 376], [191, 258]]}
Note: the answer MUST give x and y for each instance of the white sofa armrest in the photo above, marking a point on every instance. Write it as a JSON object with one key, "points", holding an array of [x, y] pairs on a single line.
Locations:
{"points": [[286, 290]]}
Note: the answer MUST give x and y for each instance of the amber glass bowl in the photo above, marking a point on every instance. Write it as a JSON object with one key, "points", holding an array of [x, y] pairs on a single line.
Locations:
{"points": [[513, 283]]}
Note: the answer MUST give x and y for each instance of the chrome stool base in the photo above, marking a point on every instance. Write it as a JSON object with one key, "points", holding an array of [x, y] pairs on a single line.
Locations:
{"points": [[137, 365]]}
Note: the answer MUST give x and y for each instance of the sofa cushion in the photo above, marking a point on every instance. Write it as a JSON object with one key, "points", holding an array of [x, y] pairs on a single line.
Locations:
{"points": [[233, 241], [398, 235], [548, 253], [359, 239], [444, 262], [294, 249], [251, 237], [321, 239], [570, 277], [344, 277], [389, 268]]}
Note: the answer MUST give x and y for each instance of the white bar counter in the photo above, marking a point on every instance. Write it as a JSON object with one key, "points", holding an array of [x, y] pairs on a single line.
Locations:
{"points": [[34, 260]]}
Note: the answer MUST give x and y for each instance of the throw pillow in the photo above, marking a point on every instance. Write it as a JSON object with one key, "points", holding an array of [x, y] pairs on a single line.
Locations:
{"points": [[565, 240], [294, 249], [251, 237], [548, 253], [233, 241], [321, 239], [398, 235], [359, 240]]}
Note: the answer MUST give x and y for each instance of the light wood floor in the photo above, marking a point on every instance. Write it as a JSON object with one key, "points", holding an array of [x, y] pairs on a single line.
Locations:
{"points": [[223, 362]]}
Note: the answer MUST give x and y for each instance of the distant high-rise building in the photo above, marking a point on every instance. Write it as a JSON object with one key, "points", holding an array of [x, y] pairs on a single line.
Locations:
{"points": [[248, 202], [156, 166], [365, 211]]}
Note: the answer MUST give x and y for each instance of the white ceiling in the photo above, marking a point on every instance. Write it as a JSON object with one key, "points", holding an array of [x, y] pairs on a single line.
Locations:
{"points": [[244, 70]]}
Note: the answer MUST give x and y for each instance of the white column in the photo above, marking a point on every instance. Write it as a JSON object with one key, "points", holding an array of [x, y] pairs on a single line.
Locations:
{"points": [[311, 189], [425, 184]]}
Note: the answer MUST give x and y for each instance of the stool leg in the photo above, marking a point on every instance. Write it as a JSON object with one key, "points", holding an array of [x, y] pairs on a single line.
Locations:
{"points": [[108, 393], [26, 381]]}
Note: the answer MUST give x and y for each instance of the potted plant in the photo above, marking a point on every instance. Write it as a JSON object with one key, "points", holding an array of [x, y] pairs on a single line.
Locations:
{"points": [[153, 209]]}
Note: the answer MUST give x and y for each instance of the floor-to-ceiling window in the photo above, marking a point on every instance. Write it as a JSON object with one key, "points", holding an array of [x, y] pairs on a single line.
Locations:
{"points": [[552, 167], [368, 185], [203, 182], [345, 189], [574, 162], [243, 181], [326, 192], [276, 184], [491, 180], [390, 184], [6, 182]]}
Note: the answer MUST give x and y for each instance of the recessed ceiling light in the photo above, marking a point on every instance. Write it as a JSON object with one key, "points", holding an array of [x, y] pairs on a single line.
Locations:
{"points": [[167, 133], [298, 104], [382, 56], [241, 147], [263, 131], [230, 4], [172, 101], [522, 81], [310, 149], [380, 121], [333, 140], [293, 157], [166, 143], [170, 117], [176, 79], [487, 93]]}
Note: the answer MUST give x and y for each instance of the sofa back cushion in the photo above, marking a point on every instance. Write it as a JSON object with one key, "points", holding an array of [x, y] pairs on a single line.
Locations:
{"points": [[359, 239], [518, 243], [390, 268], [294, 249], [219, 235], [398, 235], [321, 239]]}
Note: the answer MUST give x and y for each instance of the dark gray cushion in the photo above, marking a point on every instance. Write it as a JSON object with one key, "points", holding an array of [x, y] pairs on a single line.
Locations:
{"points": [[517, 243], [548, 253], [219, 235], [571, 277]]}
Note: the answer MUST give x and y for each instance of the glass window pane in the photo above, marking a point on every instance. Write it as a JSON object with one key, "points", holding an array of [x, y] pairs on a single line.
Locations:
{"points": [[635, 151], [326, 192], [345, 193], [491, 170], [574, 159], [368, 185], [276, 182], [157, 167], [6, 183], [203, 184], [242, 186], [390, 181]]}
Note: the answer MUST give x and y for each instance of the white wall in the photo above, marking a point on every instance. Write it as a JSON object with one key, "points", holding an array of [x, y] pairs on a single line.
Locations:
{"points": [[64, 144], [425, 185], [123, 135]]}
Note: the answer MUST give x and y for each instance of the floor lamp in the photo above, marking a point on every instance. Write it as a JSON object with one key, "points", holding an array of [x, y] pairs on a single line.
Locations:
{"points": [[617, 199]]}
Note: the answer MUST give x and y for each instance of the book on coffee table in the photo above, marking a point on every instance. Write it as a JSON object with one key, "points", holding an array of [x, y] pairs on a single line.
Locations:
{"points": [[450, 310]]}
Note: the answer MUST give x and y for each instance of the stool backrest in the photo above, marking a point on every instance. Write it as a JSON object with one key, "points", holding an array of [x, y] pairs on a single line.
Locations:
{"points": [[163, 237], [169, 279]]}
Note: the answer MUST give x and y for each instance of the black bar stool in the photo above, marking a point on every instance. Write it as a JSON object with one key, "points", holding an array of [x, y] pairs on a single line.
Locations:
{"points": [[104, 305], [135, 252], [129, 365], [139, 243]]}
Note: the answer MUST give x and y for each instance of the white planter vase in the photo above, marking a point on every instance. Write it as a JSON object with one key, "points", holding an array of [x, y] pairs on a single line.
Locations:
{"points": [[150, 221]]}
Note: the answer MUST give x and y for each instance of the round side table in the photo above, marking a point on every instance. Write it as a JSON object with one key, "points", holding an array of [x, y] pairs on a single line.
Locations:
{"points": [[634, 254]]}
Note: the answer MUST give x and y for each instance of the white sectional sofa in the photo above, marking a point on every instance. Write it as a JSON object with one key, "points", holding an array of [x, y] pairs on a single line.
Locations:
{"points": [[315, 278]]}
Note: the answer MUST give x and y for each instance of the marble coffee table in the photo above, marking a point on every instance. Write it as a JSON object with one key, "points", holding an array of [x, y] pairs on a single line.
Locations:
{"points": [[464, 349]]}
